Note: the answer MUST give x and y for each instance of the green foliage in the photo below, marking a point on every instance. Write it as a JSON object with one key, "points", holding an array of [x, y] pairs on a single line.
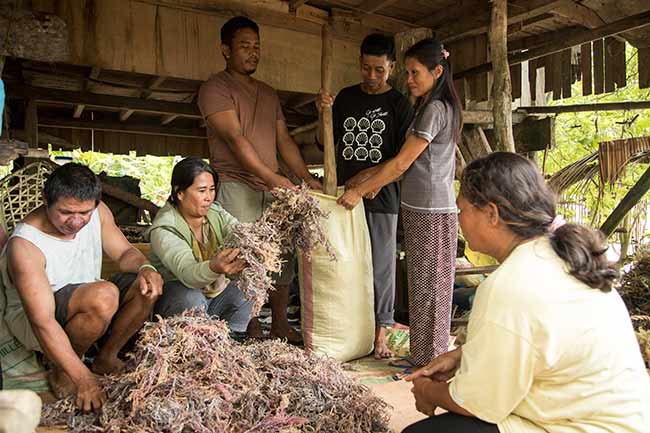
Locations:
{"points": [[154, 172], [578, 135]]}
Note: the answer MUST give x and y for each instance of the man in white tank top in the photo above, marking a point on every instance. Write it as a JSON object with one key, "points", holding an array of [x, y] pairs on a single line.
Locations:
{"points": [[56, 301]]}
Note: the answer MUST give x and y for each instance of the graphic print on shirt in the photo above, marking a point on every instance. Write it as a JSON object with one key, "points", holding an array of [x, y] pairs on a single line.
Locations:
{"points": [[361, 134]]}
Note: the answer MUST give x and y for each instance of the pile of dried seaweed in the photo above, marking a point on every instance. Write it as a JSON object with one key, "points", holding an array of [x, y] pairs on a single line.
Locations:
{"points": [[635, 291], [292, 221], [635, 283], [187, 375], [643, 336]]}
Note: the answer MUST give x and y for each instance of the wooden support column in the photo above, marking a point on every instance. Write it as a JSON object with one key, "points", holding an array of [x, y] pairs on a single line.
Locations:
{"points": [[329, 158], [501, 85], [31, 123], [633, 196]]}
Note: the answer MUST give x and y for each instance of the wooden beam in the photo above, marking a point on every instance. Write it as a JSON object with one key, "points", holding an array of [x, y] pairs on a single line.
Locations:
{"points": [[585, 69], [44, 139], [31, 123], [577, 108], [281, 19], [295, 4], [578, 38], [300, 101], [634, 195], [578, 14], [125, 114], [599, 66], [89, 83], [152, 106], [329, 158], [372, 6], [476, 142], [501, 84], [644, 68], [129, 198], [151, 86], [479, 24], [144, 129], [78, 110], [168, 119], [304, 128]]}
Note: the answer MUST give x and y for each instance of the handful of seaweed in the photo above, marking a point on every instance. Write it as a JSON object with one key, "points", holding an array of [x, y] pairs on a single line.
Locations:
{"points": [[187, 375], [291, 221]]}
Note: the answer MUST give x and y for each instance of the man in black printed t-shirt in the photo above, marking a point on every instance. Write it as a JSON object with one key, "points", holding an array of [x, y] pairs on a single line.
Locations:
{"points": [[370, 124]]}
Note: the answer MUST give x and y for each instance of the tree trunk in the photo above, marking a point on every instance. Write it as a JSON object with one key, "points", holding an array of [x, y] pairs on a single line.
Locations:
{"points": [[501, 85]]}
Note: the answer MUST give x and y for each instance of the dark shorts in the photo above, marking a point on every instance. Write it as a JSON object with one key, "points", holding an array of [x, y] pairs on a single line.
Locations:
{"points": [[62, 297]]}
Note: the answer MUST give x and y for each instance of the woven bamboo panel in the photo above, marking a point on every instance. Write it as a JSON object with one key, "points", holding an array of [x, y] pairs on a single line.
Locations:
{"points": [[21, 192], [614, 155]]}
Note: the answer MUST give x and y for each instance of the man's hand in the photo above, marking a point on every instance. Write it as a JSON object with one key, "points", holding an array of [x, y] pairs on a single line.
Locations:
{"points": [[150, 283], [90, 396], [441, 369], [279, 181], [349, 199], [226, 262], [323, 100], [358, 179], [314, 184], [420, 392]]}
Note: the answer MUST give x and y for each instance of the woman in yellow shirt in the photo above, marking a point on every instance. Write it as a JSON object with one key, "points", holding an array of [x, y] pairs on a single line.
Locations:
{"points": [[550, 346]]}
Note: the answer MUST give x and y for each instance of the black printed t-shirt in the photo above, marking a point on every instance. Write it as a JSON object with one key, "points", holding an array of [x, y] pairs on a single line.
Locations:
{"points": [[369, 130]]}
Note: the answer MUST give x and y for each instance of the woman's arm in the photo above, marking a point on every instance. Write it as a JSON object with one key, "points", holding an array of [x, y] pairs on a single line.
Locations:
{"points": [[388, 172], [178, 258], [430, 394]]}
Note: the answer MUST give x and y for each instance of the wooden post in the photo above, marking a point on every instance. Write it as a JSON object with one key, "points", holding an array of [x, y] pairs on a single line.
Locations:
{"points": [[31, 123], [501, 85], [633, 196], [329, 158]]}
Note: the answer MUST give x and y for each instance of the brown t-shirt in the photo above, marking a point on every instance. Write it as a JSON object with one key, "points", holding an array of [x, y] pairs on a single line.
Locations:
{"points": [[258, 111]]}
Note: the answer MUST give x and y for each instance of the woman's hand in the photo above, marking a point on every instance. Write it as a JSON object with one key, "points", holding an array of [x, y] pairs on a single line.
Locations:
{"points": [[349, 199], [420, 391], [226, 262], [441, 369], [314, 184]]}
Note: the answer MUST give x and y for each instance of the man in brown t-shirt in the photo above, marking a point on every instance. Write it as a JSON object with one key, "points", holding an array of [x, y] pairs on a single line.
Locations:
{"points": [[246, 130]]}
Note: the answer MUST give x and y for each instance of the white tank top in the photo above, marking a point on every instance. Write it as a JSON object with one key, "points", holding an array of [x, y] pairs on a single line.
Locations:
{"points": [[73, 261]]}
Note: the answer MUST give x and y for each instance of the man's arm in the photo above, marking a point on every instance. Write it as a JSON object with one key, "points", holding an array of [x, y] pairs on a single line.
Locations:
{"points": [[227, 125], [128, 258], [291, 154], [27, 270]]}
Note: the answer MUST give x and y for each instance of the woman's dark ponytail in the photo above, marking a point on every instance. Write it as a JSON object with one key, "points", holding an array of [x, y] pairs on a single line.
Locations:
{"points": [[527, 206], [584, 251]]}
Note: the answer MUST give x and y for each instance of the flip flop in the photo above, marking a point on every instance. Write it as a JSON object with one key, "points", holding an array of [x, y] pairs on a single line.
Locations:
{"points": [[405, 363]]}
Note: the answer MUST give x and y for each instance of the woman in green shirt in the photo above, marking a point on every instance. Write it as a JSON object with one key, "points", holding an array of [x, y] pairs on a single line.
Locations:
{"points": [[187, 239]]}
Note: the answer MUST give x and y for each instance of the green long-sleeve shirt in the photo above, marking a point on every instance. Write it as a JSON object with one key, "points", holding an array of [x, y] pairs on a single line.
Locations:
{"points": [[171, 247]]}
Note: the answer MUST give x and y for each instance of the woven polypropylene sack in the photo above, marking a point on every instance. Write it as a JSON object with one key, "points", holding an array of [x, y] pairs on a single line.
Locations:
{"points": [[337, 310]]}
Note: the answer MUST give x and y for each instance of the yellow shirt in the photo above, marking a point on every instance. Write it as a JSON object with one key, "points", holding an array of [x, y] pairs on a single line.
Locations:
{"points": [[547, 354]]}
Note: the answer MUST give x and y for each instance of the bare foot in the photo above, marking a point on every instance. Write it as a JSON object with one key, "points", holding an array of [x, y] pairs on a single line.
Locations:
{"points": [[381, 349], [290, 334], [254, 329], [60, 383], [107, 365]]}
